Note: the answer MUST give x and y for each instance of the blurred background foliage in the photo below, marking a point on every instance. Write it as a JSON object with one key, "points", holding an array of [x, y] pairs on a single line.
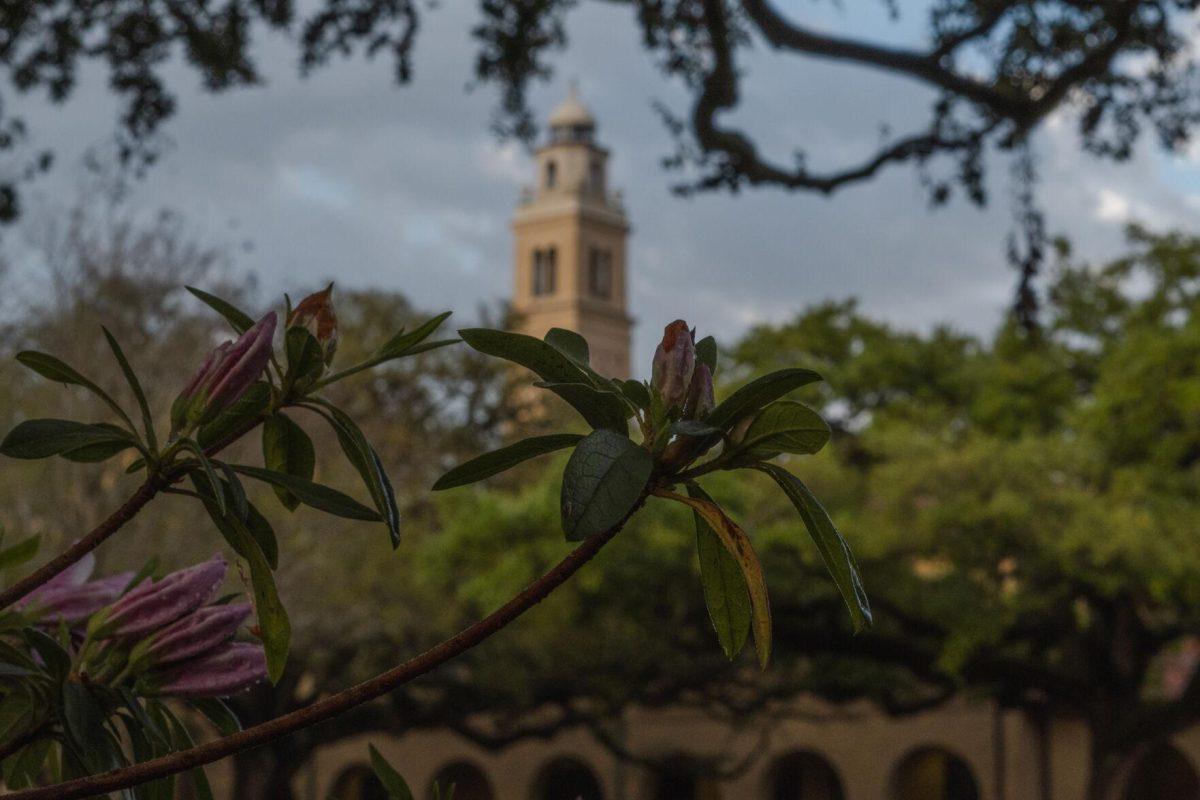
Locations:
{"points": [[1023, 506]]}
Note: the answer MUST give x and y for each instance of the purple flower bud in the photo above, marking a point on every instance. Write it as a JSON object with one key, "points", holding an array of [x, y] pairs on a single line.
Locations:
{"points": [[150, 606], [700, 399], [70, 577], [225, 375], [674, 361], [224, 671], [197, 633], [72, 604]]}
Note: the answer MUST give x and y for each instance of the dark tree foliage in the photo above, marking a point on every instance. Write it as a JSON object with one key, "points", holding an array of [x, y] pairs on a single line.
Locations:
{"points": [[998, 68]]}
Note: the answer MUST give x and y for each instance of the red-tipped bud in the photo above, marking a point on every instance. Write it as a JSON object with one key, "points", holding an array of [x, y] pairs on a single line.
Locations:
{"points": [[150, 606], [316, 315], [700, 398], [197, 633], [224, 376], [674, 362], [224, 671]]}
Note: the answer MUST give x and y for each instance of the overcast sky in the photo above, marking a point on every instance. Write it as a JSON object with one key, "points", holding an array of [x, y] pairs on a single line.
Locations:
{"points": [[346, 175]]}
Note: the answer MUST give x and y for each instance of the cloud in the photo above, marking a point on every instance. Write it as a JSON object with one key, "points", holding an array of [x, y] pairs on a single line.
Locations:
{"points": [[347, 175]]}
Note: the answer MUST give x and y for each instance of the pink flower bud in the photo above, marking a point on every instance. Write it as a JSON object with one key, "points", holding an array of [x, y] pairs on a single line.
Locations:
{"points": [[72, 604], [224, 671], [228, 372], [315, 314], [674, 361], [149, 606], [700, 399], [72, 576], [197, 633]]}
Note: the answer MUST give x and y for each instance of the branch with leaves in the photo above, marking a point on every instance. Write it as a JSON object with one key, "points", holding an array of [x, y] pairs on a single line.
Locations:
{"points": [[91, 663]]}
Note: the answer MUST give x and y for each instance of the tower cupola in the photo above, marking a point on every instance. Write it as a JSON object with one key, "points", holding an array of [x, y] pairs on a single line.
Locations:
{"points": [[570, 233]]}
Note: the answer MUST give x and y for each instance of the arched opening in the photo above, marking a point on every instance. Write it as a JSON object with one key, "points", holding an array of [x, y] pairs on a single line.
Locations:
{"points": [[551, 174], [358, 783], [803, 775], [468, 781], [567, 779], [934, 774], [1164, 773], [683, 778]]}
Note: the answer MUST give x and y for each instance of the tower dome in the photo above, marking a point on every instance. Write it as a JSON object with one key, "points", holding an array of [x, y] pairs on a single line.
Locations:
{"points": [[572, 120]]}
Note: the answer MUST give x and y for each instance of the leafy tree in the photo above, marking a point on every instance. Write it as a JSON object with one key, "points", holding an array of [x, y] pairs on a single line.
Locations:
{"points": [[1027, 510]]}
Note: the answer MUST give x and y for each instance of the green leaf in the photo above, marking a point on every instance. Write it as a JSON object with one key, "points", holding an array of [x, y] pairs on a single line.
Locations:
{"points": [[636, 392], [570, 344], [240, 320], [402, 343], [276, 629], [53, 655], [26, 764], [135, 386], [95, 453], [546, 361], [603, 481], [737, 543], [599, 408], [42, 438], [252, 405], [366, 461], [263, 534], [19, 553], [235, 491], [323, 498], [725, 592], [82, 714], [784, 426], [16, 712], [835, 552], [497, 461], [218, 713], [305, 358], [393, 783], [706, 353], [287, 449], [758, 393], [182, 740], [210, 474]]}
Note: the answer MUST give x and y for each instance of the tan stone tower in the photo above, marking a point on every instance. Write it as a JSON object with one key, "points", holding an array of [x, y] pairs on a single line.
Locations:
{"points": [[570, 233]]}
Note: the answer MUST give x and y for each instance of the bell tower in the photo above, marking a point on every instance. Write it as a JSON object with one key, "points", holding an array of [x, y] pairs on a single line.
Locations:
{"points": [[570, 232]]}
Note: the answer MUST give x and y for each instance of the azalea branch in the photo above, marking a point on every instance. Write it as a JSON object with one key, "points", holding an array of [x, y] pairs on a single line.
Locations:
{"points": [[332, 706], [113, 523], [154, 484], [17, 742]]}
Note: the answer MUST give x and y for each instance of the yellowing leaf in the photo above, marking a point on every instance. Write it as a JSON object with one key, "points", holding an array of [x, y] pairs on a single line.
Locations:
{"points": [[738, 544]]}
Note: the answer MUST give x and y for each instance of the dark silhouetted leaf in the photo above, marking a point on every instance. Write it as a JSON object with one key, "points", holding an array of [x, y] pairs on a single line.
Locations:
{"points": [[835, 552], [599, 408], [603, 481], [725, 592], [497, 461], [287, 449], [240, 320], [547, 362]]}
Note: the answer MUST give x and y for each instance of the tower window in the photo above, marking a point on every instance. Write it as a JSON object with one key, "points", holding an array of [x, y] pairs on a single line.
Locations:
{"points": [[596, 178], [600, 276], [551, 174], [544, 268]]}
